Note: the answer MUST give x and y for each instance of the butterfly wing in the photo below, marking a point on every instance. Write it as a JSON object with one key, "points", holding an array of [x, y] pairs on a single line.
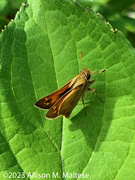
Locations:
{"points": [[71, 101], [49, 101], [65, 105]]}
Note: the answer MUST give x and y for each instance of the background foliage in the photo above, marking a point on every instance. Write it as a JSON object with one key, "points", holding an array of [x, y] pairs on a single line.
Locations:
{"points": [[39, 53], [120, 14]]}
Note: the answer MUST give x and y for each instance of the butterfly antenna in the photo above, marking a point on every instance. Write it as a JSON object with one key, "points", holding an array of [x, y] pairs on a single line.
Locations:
{"points": [[98, 72], [102, 71], [80, 59]]}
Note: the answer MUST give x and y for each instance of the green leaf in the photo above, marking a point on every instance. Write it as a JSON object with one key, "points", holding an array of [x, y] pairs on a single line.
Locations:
{"points": [[40, 52]]}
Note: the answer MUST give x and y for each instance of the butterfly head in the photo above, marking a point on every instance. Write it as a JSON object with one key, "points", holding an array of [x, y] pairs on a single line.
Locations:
{"points": [[86, 73]]}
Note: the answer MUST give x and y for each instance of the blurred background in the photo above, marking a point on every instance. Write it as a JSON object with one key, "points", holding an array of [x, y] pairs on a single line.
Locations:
{"points": [[8, 9], [119, 13]]}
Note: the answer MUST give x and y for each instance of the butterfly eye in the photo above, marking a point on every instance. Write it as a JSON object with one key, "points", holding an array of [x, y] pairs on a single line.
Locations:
{"points": [[87, 76]]}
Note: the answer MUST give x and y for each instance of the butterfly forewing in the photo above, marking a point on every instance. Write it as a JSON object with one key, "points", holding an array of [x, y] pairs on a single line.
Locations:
{"points": [[49, 101], [65, 105]]}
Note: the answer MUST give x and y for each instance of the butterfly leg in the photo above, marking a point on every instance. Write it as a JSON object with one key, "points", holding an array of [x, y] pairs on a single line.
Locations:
{"points": [[91, 82], [94, 90], [84, 105]]}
